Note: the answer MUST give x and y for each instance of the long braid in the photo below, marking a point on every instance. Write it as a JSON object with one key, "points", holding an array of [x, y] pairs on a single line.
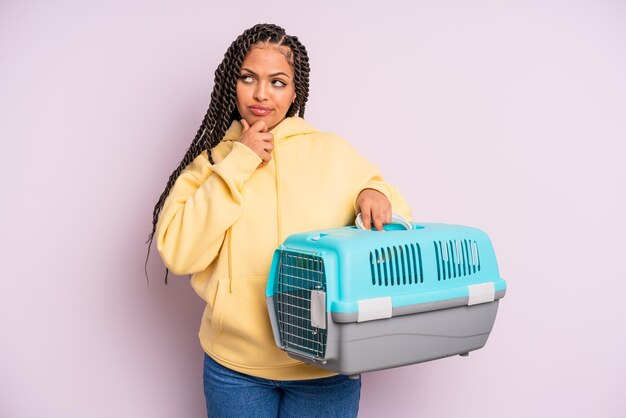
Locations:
{"points": [[301, 74], [222, 109]]}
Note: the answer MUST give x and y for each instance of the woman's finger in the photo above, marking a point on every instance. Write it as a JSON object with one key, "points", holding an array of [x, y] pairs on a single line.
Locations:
{"points": [[259, 126], [378, 219], [387, 213], [366, 217]]}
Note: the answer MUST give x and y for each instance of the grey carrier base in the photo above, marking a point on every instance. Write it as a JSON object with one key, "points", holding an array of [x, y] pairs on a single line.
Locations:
{"points": [[353, 348]]}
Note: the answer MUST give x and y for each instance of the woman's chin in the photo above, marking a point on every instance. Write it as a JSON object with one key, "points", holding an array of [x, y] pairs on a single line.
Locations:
{"points": [[271, 122]]}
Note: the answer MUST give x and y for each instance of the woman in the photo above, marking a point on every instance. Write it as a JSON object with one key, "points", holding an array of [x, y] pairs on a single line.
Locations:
{"points": [[254, 174]]}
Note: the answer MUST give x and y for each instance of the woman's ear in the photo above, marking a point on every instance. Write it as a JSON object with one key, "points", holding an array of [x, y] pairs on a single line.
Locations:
{"points": [[294, 98]]}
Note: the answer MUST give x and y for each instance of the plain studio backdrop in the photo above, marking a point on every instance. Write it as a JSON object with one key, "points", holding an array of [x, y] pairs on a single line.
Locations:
{"points": [[508, 116]]}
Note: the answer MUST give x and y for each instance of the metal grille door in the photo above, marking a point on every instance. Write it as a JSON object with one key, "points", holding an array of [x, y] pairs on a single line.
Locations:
{"points": [[298, 276]]}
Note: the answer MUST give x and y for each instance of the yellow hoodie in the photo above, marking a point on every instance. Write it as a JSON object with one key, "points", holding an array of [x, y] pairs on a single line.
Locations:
{"points": [[222, 222]]}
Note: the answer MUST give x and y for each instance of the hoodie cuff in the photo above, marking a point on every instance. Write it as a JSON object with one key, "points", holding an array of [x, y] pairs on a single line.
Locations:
{"points": [[238, 165]]}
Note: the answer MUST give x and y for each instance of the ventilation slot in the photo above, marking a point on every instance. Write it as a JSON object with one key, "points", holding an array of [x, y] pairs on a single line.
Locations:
{"points": [[398, 265], [298, 275], [456, 258]]}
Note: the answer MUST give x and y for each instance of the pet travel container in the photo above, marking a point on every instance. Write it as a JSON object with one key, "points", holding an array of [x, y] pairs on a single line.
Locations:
{"points": [[351, 300]]}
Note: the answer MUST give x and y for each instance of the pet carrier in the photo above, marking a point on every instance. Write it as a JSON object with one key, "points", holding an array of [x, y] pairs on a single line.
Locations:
{"points": [[352, 301]]}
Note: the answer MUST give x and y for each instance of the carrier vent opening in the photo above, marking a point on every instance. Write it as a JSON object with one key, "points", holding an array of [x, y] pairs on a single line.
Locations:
{"points": [[397, 265], [298, 275], [456, 258]]}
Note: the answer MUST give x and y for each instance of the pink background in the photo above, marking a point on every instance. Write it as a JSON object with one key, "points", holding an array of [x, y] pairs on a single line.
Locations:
{"points": [[509, 116]]}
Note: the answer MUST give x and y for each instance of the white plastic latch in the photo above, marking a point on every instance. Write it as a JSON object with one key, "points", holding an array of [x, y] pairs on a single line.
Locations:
{"points": [[481, 293], [318, 309], [376, 308]]}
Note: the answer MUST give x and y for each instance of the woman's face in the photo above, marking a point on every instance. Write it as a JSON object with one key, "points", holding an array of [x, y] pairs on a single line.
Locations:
{"points": [[265, 89]]}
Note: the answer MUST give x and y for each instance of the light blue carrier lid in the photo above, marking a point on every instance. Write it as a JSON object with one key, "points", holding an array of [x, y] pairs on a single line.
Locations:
{"points": [[395, 269]]}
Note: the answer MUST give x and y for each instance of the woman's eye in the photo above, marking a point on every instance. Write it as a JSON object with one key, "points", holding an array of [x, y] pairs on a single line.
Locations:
{"points": [[246, 78], [279, 83]]}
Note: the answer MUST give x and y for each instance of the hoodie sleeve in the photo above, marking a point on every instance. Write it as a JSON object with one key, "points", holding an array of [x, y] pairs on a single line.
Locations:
{"points": [[203, 203]]}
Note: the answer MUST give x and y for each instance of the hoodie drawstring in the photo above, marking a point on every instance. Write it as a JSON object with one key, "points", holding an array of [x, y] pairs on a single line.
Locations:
{"points": [[278, 217], [230, 260]]}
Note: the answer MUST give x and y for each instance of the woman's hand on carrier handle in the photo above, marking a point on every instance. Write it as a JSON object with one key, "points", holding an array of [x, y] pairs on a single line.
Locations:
{"points": [[374, 207], [258, 139]]}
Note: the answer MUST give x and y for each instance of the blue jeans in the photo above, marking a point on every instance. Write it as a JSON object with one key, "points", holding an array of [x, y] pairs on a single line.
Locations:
{"points": [[232, 394]]}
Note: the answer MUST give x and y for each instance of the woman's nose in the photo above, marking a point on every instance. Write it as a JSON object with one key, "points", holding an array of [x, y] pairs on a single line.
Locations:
{"points": [[260, 92]]}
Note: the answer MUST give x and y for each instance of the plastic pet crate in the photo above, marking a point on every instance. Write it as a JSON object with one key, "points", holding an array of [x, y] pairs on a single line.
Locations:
{"points": [[352, 301]]}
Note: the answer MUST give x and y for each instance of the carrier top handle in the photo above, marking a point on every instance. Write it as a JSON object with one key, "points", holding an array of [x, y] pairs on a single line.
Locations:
{"points": [[395, 219]]}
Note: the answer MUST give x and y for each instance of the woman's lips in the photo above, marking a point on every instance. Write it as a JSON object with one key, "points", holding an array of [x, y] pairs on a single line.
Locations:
{"points": [[259, 110]]}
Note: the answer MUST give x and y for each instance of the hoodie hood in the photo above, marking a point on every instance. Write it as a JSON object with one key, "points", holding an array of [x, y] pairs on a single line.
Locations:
{"points": [[289, 127]]}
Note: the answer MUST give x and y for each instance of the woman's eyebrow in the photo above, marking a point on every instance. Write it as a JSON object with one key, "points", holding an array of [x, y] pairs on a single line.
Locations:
{"points": [[271, 75]]}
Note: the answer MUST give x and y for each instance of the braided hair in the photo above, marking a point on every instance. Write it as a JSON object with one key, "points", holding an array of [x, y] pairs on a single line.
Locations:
{"points": [[223, 105]]}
